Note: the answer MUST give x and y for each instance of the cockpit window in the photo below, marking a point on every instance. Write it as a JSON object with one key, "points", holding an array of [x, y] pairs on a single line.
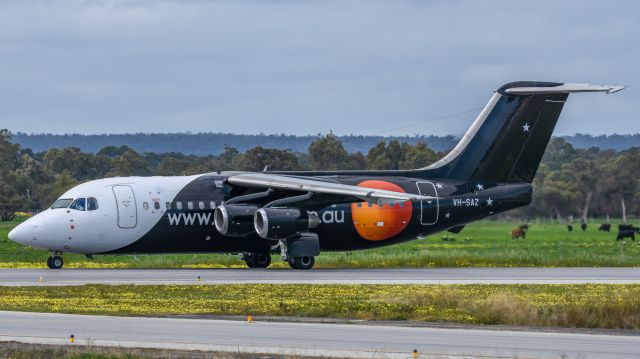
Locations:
{"points": [[62, 203], [92, 204], [79, 204]]}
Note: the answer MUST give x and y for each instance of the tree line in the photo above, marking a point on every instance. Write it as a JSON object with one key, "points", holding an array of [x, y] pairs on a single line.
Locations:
{"points": [[207, 143], [569, 182], [202, 144]]}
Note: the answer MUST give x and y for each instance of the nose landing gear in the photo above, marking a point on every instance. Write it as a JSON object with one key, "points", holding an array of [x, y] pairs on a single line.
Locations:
{"points": [[55, 261]]}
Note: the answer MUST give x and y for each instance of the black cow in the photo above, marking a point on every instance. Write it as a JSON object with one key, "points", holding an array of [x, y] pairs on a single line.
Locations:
{"points": [[605, 227], [627, 231], [583, 226]]}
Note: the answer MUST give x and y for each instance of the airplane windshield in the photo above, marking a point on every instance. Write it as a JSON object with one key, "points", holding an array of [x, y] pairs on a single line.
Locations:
{"points": [[80, 204], [92, 204], [62, 203]]}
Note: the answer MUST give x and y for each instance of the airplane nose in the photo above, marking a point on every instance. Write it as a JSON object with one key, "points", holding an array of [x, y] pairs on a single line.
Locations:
{"points": [[23, 233]]}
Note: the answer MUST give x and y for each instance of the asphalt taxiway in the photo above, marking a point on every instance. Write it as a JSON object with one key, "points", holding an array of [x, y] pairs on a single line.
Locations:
{"points": [[335, 340], [27, 277]]}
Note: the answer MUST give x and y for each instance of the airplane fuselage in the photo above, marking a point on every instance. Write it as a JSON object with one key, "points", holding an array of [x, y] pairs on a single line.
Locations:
{"points": [[136, 215]]}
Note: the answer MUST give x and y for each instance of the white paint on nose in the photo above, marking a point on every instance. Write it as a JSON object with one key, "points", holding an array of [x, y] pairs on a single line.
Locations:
{"points": [[23, 233]]}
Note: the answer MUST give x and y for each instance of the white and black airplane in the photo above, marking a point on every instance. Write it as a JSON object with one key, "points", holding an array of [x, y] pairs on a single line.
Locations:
{"points": [[299, 214]]}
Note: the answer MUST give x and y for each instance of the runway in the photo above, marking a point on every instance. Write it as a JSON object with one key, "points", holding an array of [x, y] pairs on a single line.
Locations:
{"points": [[32, 277], [336, 340]]}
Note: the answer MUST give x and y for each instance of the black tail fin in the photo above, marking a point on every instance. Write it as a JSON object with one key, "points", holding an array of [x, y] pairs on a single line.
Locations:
{"points": [[507, 140]]}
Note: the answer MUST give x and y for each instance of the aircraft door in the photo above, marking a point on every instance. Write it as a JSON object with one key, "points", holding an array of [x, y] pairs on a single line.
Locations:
{"points": [[429, 209], [126, 206]]}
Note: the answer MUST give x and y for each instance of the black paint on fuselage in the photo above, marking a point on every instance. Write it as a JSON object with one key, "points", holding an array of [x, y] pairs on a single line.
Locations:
{"points": [[460, 202]]}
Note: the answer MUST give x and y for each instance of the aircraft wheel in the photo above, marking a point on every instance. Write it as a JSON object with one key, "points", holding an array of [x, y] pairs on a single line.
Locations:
{"points": [[55, 262], [305, 262], [260, 260], [249, 260]]}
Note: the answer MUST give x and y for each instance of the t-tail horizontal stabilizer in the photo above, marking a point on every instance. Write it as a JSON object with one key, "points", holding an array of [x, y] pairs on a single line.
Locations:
{"points": [[564, 88]]}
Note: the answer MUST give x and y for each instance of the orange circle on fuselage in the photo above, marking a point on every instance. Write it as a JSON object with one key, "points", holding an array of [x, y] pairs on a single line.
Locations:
{"points": [[376, 223]]}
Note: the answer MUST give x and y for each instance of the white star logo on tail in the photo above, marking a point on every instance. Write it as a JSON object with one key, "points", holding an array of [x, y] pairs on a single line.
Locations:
{"points": [[525, 127], [480, 187], [489, 202]]}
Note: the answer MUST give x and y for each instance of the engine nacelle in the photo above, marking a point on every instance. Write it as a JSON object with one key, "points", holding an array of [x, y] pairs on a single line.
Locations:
{"points": [[280, 223], [234, 220]]}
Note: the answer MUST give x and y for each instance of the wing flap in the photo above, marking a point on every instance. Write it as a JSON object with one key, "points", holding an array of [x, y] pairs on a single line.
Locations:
{"points": [[302, 184]]}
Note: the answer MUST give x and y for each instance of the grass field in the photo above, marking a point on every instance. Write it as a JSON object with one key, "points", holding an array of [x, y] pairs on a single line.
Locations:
{"points": [[582, 306], [484, 244]]}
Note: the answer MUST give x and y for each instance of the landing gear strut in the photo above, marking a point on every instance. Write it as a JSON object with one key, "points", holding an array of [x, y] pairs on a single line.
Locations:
{"points": [[55, 261], [256, 260]]}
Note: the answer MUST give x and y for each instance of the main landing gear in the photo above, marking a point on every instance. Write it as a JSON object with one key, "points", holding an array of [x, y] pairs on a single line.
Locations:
{"points": [[256, 260], [55, 261], [299, 252], [305, 262]]}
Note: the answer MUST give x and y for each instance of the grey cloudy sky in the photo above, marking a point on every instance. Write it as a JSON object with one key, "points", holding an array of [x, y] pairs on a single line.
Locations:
{"points": [[306, 67]]}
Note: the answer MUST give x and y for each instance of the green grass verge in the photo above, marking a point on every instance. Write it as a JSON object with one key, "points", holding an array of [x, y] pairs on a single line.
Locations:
{"points": [[482, 244], [34, 351], [583, 306]]}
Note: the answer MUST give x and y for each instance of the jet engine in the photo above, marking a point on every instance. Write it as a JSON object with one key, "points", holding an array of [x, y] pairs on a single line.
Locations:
{"points": [[280, 223], [234, 220]]}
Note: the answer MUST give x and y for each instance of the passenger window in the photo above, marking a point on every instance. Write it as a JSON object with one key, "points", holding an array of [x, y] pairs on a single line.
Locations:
{"points": [[190, 205], [167, 205], [212, 205], [80, 204], [145, 206], [369, 204], [92, 204], [156, 205], [201, 205], [179, 205], [359, 204]]}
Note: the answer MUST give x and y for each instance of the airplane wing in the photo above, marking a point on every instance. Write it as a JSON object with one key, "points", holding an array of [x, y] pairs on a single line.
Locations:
{"points": [[337, 191]]}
